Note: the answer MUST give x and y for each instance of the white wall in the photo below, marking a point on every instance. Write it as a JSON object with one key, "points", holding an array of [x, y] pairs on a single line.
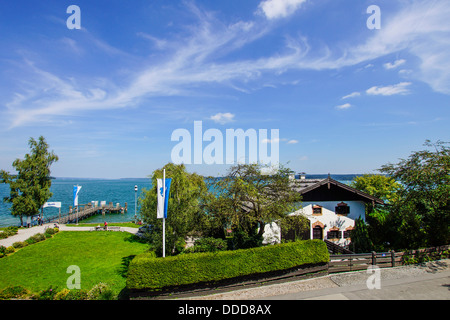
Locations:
{"points": [[357, 208], [272, 231]]}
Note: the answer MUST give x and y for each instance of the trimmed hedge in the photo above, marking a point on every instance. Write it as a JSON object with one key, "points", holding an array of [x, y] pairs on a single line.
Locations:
{"points": [[147, 272]]}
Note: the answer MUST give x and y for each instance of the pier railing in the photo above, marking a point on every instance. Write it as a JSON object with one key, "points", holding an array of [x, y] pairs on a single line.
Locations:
{"points": [[85, 211]]}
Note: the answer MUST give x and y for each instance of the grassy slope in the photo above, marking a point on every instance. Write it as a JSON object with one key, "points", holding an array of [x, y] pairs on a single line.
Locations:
{"points": [[101, 256]]}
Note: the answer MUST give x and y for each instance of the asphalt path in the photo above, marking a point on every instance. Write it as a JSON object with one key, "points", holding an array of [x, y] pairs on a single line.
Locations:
{"points": [[420, 287]]}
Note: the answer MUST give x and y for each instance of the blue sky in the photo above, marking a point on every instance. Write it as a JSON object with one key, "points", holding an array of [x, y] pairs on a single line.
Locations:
{"points": [[107, 97]]}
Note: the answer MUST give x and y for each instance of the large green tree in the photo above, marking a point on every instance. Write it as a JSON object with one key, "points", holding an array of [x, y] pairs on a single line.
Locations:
{"points": [[380, 226], [246, 199], [184, 207], [30, 186], [423, 208]]}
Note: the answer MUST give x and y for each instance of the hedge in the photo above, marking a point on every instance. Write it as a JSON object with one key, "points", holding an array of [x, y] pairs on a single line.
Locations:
{"points": [[154, 274]]}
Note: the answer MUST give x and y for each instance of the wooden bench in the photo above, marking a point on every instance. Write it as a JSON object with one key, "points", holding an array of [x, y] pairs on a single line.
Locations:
{"points": [[112, 228]]}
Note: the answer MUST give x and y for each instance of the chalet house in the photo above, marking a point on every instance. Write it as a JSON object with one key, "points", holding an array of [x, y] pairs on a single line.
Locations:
{"points": [[331, 208]]}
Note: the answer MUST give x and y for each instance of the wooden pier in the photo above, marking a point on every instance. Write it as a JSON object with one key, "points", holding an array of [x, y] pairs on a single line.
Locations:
{"points": [[86, 211]]}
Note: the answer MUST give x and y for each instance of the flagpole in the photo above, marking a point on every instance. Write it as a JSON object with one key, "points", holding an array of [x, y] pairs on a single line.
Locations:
{"points": [[164, 219]]}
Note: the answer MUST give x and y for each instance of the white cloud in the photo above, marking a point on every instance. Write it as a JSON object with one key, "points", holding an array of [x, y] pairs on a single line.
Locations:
{"points": [[344, 106], [394, 65], [275, 140], [400, 88], [223, 118], [351, 95], [274, 9], [292, 141], [195, 61]]}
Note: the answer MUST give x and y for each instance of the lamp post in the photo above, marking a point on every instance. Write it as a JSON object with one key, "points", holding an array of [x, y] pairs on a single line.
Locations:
{"points": [[135, 202]]}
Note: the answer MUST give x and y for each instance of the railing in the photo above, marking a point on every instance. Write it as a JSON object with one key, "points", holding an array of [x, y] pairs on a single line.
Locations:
{"points": [[353, 262]]}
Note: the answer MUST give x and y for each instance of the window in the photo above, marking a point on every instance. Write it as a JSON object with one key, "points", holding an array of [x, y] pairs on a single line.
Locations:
{"points": [[333, 234], [348, 234], [317, 233], [342, 208], [317, 209]]}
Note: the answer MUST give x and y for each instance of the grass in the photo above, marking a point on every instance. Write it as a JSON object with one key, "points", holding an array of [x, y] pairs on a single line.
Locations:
{"points": [[101, 257], [110, 224]]}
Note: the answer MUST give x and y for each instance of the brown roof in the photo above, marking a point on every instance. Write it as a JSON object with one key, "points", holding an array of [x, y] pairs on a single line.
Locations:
{"points": [[308, 187]]}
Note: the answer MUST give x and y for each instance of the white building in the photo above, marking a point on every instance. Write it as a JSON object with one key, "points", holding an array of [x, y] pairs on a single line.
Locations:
{"points": [[331, 208]]}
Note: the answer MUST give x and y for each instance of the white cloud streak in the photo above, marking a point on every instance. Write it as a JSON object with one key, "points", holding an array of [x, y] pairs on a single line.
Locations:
{"points": [[274, 9], [400, 88], [421, 28]]}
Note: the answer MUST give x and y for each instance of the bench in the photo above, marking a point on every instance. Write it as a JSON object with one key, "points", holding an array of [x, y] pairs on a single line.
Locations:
{"points": [[112, 228]]}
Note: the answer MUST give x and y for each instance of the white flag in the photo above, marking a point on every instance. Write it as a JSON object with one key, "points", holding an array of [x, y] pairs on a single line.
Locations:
{"points": [[76, 189], [160, 194]]}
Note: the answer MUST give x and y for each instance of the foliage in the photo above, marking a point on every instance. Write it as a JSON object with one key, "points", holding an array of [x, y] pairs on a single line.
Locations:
{"points": [[146, 272], [379, 186], [14, 292], [208, 244], [47, 294], [246, 199], [424, 199], [100, 291], [294, 227], [184, 207], [30, 187], [8, 232], [361, 242]]}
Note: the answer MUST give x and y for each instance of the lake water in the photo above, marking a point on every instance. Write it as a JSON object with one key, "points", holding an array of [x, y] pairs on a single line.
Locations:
{"points": [[115, 191]]}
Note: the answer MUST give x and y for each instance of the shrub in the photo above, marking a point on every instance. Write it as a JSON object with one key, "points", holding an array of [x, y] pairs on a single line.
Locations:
{"points": [[19, 244], [100, 291], [8, 232], [147, 272], [61, 295], [79, 294], [39, 237], [2, 249], [47, 294], [9, 250], [13, 293], [207, 245], [50, 231], [30, 240]]}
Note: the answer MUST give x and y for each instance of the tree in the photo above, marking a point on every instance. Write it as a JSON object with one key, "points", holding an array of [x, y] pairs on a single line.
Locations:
{"points": [[184, 207], [425, 177], [30, 187], [361, 242], [247, 200], [378, 216]]}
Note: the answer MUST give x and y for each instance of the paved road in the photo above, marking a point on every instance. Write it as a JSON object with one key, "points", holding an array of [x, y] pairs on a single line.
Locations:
{"points": [[420, 287]]}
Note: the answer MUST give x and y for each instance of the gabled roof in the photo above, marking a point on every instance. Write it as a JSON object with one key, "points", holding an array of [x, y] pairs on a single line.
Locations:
{"points": [[330, 190]]}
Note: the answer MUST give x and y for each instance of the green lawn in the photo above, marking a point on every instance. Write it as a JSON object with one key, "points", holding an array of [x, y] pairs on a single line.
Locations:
{"points": [[101, 257]]}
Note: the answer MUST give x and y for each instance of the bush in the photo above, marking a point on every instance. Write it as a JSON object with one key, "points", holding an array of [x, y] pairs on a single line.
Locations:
{"points": [[147, 272], [39, 237], [80, 294], [47, 294], [207, 245], [19, 244], [8, 232], [9, 250], [13, 293], [100, 291], [51, 230]]}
